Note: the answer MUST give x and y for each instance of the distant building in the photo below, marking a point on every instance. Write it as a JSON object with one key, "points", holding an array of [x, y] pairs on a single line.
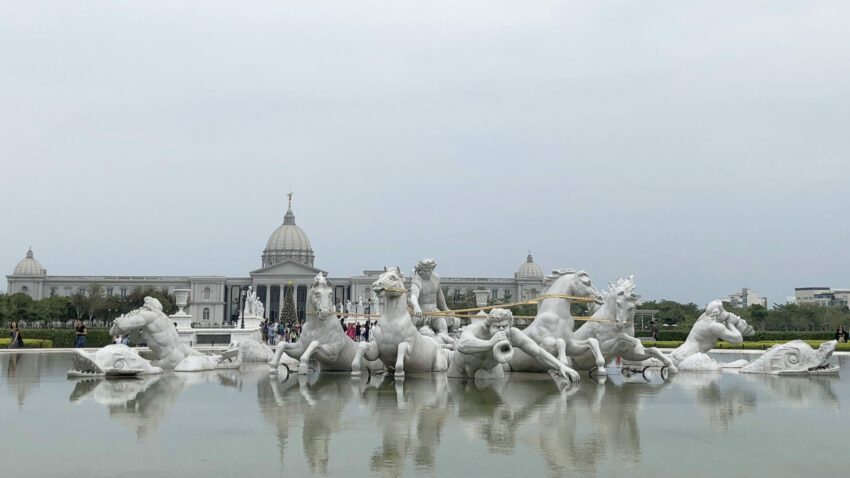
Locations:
{"points": [[746, 298], [287, 262], [822, 296]]}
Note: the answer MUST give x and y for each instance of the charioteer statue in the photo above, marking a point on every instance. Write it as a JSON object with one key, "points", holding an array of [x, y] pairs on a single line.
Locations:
{"points": [[426, 296]]}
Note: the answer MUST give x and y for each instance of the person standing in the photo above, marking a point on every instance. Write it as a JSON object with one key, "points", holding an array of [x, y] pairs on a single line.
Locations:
{"points": [[653, 330], [357, 332], [368, 329], [15, 339], [80, 333], [841, 335]]}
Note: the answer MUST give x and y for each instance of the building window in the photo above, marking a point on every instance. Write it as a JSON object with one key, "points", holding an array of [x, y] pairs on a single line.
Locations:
{"points": [[82, 290], [207, 293], [25, 289], [123, 292], [53, 292], [67, 292], [206, 313], [109, 292]]}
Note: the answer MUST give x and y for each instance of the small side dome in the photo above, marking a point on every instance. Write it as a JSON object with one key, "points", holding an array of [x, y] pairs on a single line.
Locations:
{"points": [[529, 270], [29, 266]]}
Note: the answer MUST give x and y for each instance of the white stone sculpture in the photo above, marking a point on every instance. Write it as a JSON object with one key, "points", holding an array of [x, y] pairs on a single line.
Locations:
{"points": [[155, 329], [485, 346], [360, 308], [246, 351], [114, 360], [254, 307], [348, 308], [397, 342], [321, 339], [427, 296], [714, 325], [794, 358], [181, 299], [376, 306], [616, 339], [552, 328]]}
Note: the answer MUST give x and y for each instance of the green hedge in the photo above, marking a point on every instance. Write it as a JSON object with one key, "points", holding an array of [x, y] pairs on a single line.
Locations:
{"points": [[765, 336], [29, 344], [763, 345], [63, 338]]}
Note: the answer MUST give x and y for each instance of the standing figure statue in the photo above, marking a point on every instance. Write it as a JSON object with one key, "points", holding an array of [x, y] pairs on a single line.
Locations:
{"points": [[248, 311], [360, 305], [348, 309], [484, 346], [376, 308], [426, 296]]}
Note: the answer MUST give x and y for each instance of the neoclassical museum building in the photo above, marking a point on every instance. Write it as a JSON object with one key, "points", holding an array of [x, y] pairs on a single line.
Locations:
{"points": [[287, 261]]}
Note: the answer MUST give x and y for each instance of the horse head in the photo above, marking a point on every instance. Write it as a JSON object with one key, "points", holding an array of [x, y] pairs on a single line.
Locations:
{"points": [[626, 300], [570, 282], [321, 296], [390, 283]]}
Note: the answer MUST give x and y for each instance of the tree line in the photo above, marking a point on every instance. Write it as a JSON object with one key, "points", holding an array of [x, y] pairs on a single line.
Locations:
{"points": [[809, 317], [94, 304]]}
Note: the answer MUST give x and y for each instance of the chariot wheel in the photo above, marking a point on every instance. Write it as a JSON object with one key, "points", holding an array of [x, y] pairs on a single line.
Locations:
{"points": [[643, 373], [285, 367], [591, 373], [626, 371], [665, 373]]}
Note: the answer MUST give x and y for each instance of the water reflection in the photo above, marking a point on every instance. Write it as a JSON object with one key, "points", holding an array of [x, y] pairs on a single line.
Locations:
{"points": [[410, 415], [721, 404], [317, 400], [405, 427], [799, 392]]}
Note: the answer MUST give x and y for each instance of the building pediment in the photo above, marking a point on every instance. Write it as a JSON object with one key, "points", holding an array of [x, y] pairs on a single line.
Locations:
{"points": [[286, 269]]}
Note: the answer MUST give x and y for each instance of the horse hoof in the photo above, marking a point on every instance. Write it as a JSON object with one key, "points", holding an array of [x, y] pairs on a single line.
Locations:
{"points": [[601, 371], [355, 373], [399, 374], [303, 370]]}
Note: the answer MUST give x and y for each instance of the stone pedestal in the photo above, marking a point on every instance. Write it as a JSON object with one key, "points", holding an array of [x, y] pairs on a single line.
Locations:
{"points": [[181, 318]]}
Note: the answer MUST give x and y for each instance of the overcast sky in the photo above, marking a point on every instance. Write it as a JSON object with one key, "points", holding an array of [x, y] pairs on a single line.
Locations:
{"points": [[702, 146]]}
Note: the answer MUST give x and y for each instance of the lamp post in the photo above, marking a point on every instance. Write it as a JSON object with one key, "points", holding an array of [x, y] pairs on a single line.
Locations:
{"points": [[244, 291]]}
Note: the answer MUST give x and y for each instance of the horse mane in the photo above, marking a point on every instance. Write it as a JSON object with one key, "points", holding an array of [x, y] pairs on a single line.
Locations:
{"points": [[556, 274]]}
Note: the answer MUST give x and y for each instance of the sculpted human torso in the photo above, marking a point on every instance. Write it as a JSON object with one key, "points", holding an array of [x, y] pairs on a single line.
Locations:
{"points": [[714, 325], [426, 296]]}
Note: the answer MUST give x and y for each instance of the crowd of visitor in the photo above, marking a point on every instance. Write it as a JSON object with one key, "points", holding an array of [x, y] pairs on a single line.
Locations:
{"points": [[277, 332]]}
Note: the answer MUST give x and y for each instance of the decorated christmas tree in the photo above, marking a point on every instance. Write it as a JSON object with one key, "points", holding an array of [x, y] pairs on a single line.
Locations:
{"points": [[287, 315]]}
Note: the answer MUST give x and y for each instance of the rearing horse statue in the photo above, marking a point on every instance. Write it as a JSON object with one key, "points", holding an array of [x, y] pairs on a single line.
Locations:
{"points": [[321, 339], [397, 342], [552, 328], [617, 337]]}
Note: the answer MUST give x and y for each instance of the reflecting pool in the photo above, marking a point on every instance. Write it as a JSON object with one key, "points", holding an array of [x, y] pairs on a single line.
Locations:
{"points": [[232, 423]]}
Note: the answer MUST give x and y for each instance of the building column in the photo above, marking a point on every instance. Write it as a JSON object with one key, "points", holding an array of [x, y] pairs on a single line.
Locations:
{"points": [[268, 298]]}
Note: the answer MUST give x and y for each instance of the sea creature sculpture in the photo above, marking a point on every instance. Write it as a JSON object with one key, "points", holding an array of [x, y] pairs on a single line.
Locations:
{"points": [[115, 360], [552, 328], [794, 358], [157, 330], [397, 342]]}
